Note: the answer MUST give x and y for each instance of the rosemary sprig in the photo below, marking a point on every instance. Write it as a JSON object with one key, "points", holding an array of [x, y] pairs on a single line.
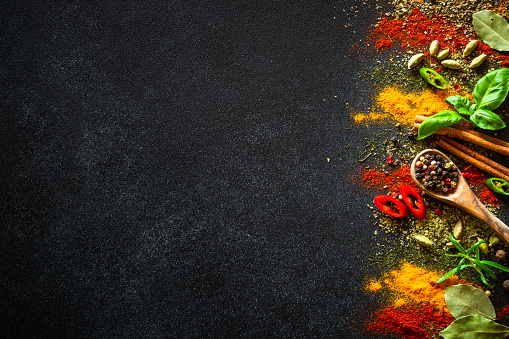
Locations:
{"points": [[475, 262]]}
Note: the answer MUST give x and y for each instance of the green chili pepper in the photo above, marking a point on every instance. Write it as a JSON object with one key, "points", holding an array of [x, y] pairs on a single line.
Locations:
{"points": [[498, 185], [433, 78]]}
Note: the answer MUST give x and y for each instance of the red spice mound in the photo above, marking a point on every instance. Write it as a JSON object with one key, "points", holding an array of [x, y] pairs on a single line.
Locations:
{"points": [[373, 179], [412, 322], [502, 313], [420, 31], [476, 178]]}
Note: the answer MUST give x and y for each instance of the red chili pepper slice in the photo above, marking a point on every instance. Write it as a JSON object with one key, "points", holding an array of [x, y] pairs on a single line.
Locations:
{"points": [[407, 191], [400, 210]]}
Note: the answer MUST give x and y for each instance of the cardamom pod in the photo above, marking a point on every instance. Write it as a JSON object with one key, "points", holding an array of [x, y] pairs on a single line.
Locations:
{"points": [[458, 229], [443, 54], [477, 61], [422, 240], [453, 64], [434, 47], [494, 239], [483, 247], [470, 47], [415, 60]]}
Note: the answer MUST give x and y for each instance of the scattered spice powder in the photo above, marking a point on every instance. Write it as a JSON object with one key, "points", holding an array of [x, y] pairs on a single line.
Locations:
{"points": [[402, 106], [415, 285], [417, 31], [476, 178], [418, 308], [417, 305], [405, 106], [373, 285], [376, 180], [412, 322]]}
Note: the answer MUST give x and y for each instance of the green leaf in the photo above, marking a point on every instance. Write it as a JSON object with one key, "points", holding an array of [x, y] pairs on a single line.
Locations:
{"points": [[485, 282], [451, 272], [474, 246], [474, 327], [461, 104], [439, 120], [471, 110], [486, 268], [491, 90], [494, 264], [447, 275], [463, 300], [458, 245], [460, 264], [487, 119], [492, 29]]}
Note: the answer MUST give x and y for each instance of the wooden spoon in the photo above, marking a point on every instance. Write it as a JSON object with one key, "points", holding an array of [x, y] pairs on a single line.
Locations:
{"points": [[463, 198]]}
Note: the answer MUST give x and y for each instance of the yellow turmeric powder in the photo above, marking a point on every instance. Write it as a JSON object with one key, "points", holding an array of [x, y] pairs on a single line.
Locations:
{"points": [[413, 284], [392, 102], [374, 285]]}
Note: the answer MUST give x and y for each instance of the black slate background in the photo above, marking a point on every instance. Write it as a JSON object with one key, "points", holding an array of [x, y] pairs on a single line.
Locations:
{"points": [[164, 169]]}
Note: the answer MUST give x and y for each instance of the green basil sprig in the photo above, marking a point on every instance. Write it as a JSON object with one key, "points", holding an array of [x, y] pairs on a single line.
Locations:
{"points": [[489, 93]]}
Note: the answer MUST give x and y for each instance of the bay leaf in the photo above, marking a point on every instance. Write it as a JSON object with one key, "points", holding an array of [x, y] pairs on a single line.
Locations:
{"points": [[463, 300], [474, 327], [493, 29]]}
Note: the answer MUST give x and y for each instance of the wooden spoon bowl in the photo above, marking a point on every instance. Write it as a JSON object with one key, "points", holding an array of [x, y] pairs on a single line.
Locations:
{"points": [[463, 198]]}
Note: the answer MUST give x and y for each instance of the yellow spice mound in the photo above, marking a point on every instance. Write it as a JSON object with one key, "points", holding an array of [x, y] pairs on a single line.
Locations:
{"points": [[392, 102], [413, 284]]}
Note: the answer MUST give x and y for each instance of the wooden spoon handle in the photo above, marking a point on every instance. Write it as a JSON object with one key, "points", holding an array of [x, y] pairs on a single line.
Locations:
{"points": [[501, 229]]}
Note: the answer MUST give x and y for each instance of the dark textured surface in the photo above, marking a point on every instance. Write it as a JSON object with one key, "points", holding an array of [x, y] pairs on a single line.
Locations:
{"points": [[164, 170]]}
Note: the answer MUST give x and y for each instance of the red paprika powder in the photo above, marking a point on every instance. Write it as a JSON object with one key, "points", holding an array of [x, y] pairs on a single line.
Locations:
{"points": [[412, 322], [417, 32], [374, 179]]}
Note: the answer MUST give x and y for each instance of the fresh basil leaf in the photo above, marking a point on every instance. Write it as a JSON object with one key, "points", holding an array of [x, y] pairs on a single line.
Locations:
{"points": [[463, 300], [486, 119], [439, 120], [493, 29], [491, 90], [474, 327], [471, 110], [461, 104]]}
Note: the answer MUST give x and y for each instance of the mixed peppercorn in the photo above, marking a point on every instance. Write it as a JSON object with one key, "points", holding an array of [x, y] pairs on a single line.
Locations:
{"points": [[436, 174]]}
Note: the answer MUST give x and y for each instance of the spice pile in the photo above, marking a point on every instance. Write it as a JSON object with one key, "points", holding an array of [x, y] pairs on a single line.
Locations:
{"points": [[417, 306], [412, 28], [435, 63]]}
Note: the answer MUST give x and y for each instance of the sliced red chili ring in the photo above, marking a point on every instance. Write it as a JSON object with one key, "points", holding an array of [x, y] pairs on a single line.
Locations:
{"points": [[398, 210], [419, 211]]}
